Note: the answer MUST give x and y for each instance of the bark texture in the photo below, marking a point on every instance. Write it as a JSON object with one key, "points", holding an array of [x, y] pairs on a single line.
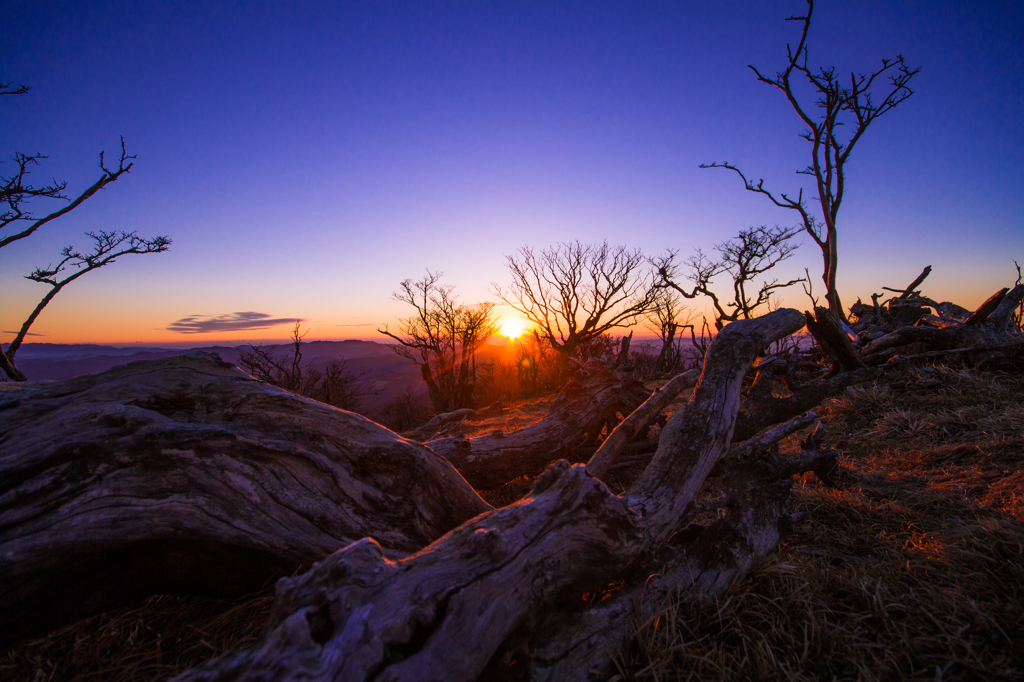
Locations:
{"points": [[186, 474], [833, 340], [500, 597], [443, 612], [700, 433]]}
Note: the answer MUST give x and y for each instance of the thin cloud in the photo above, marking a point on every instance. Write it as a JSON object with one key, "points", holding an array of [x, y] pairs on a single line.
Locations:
{"points": [[28, 334], [231, 322]]}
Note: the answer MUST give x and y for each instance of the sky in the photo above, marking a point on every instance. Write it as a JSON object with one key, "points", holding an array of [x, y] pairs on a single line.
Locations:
{"points": [[305, 158]]}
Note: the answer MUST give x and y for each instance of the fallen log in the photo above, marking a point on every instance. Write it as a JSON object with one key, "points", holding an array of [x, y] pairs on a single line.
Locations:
{"points": [[607, 455], [987, 308], [755, 446], [776, 410], [989, 326], [596, 394], [187, 475], [437, 421], [443, 612], [570, 646], [502, 584], [917, 282]]}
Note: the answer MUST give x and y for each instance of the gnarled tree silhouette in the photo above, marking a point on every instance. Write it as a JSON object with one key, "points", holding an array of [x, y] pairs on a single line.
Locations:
{"points": [[745, 258], [573, 292], [846, 107], [442, 338], [17, 222]]}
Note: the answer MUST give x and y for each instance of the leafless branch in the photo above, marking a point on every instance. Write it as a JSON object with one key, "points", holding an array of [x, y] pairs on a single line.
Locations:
{"points": [[15, 192], [107, 247], [843, 105], [576, 292], [442, 338]]}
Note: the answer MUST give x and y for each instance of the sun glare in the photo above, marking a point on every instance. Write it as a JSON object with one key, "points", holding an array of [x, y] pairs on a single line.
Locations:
{"points": [[513, 327]]}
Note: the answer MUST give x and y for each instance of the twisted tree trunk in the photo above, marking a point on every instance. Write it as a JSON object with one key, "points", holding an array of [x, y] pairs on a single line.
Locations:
{"points": [[504, 589], [186, 474]]}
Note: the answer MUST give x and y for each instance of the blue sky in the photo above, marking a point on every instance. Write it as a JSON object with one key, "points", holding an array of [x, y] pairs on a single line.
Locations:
{"points": [[307, 157]]}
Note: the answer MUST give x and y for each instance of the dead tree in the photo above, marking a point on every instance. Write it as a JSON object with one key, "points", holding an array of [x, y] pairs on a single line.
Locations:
{"points": [[17, 222], [666, 319], [442, 338], [846, 108], [500, 597], [827, 330], [187, 475], [745, 258], [575, 292], [336, 385], [1019, 317], [274, 368], [607, 455]]}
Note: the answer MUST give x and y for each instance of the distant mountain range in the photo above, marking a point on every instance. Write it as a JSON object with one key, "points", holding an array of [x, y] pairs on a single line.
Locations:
{"points": [[381, 368]]}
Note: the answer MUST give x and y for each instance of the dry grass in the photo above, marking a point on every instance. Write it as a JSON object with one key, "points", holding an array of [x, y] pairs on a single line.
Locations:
{"points": [[515, 416], [912, 569], [153, 640]]}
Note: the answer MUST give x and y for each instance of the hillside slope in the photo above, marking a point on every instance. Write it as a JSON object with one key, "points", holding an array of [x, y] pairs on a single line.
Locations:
{"points": [[911, 568]]}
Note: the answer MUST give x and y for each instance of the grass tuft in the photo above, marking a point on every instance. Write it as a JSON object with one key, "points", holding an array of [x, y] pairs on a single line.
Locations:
{"points": [[153, 640]]}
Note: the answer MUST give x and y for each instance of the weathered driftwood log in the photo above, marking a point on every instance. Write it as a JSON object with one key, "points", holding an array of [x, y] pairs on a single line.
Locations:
{"points": [[761, 443], [826, 330], [442, 613], [947, 311], [607, 455], [917, 282], [458, 609], [440, 421], [1001, 318], [186, 474], [700, 433], [700, 561], [987, 308], [593, 397]]}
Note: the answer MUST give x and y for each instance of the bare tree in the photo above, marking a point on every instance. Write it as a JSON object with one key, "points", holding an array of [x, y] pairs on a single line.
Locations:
{"points": [[263, 363], [666, 319], [442, 338], [745, 258], [576, 292], [18, 222], [336, 385], [844, 105]]}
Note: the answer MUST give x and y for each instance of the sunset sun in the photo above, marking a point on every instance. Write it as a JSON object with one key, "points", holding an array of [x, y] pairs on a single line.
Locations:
{"points": [[513, 327]]}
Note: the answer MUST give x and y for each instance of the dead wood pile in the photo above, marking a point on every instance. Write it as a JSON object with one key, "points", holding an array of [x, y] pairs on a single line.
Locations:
{"points": [[911, 324], [189, 474]]}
